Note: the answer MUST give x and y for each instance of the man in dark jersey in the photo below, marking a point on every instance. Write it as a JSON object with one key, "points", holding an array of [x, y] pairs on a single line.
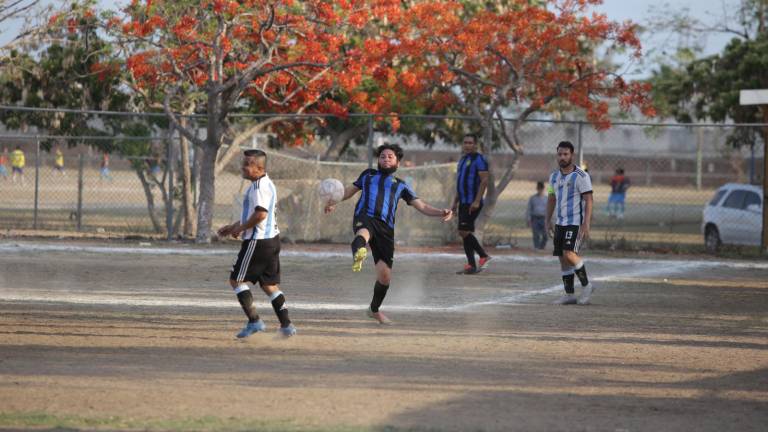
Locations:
{"points": [[471, 182], [374, 220]]}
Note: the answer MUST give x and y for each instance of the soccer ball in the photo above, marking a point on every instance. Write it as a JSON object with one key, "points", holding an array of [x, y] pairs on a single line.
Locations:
{"points": [[330, 189]]}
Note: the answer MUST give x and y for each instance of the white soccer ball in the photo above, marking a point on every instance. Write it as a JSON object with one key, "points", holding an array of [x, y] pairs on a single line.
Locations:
{"points": [[330, 189]]}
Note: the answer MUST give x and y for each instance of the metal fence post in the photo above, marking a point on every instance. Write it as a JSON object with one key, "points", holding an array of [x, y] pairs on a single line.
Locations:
{"points": [[370, 142], [579, 143], [752, 163], [699, 150], [37, 182], [80, 167], [169, 207]]}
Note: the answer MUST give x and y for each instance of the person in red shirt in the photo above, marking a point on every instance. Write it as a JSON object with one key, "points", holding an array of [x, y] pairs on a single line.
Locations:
{"points": [[617, 198]]}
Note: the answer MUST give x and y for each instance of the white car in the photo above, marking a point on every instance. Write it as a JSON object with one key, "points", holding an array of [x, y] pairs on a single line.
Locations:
{"points": [[733, 216]]}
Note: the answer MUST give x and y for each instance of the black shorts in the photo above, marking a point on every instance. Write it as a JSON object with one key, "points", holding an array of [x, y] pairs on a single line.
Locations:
{"points": [[467, 219], [382, 240], [566, 239], [258, 261]]}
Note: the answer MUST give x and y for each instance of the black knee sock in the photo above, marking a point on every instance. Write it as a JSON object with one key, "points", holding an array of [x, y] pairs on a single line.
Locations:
{"points": [[476, 246], [379, 292], [357, 243], [246, 301], [581, 272], [568, 282], [470, 251], [278, 304]]}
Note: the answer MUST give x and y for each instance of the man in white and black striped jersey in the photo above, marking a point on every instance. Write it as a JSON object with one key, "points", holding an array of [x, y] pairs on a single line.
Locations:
{"points": [[259, 257], [570, 193]]}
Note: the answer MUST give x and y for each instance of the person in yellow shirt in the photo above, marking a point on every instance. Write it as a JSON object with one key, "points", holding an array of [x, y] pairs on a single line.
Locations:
{"points": [[17, 164], [58, 162]]}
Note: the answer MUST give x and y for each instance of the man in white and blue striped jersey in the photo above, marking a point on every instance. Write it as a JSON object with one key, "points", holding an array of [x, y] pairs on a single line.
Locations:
{"points": [[259, 257], [570, 200]]}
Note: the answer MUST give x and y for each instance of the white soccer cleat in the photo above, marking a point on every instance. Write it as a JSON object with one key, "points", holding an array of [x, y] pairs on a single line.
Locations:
{"points": [[586, 294], [567, 299]]}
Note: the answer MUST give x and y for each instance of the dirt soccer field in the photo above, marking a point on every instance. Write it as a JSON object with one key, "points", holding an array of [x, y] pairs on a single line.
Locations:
{"points": [[130, 337]]}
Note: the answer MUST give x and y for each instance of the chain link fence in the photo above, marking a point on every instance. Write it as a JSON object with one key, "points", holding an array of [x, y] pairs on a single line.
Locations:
{"points": [[105, 185]]}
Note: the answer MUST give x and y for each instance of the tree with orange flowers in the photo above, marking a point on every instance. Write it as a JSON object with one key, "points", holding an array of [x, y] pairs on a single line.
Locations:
{"points": [[525, 56], [217, 56]]}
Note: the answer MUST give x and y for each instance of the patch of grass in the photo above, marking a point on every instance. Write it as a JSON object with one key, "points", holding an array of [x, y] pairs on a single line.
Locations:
{"points": [[208, 424]]}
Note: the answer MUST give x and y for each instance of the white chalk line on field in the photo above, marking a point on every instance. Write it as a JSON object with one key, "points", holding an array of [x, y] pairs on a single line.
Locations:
{"points": [[657, 270], [132, 301], [11, 247]]}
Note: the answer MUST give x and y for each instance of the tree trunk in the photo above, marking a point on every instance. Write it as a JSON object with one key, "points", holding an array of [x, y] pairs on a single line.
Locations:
{"points": [[340, 142], [187, 200], [150, 200], [496, 185], [207, 194], [491, 195], [208, 171]]}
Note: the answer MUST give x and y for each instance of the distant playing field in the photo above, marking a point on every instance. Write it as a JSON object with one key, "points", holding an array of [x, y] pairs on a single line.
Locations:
{"points": [[654, 215], [118, 336]]}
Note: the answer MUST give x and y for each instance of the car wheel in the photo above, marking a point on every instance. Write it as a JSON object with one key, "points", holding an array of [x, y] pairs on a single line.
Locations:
{"points": [[712, 239]]}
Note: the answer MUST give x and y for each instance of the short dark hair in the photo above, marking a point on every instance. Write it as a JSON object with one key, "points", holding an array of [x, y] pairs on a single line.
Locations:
{"points": [[394, 147], [471, 135], [540, 185], [565, 144], [255, 153], [620, 171]]}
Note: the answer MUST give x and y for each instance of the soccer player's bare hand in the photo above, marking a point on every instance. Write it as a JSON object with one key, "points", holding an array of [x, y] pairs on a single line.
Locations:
{"points": [[447, 215], [473, 207], [584, 232], [224, 231], [550, 229], [330, 206]]}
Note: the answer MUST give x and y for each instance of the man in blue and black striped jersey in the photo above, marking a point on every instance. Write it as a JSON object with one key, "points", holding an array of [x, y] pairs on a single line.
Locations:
{"points": [[570, 200], [471, 183], [374, 220]]}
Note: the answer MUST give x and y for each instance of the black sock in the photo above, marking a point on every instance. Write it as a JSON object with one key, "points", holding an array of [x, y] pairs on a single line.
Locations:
{"points": [[246, 301], [476, 246], [379, 292], [568, 282], [581, 272], [470, 251], [278, 304], [357, 243]]}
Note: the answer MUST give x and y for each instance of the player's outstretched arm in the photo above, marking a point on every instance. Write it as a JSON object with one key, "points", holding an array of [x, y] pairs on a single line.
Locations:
{"points": [[428, 210], [349, 192]]}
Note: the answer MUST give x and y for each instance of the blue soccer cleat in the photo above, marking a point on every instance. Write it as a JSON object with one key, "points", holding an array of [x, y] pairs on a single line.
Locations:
{"points": [[288, 331], [251, 328]]}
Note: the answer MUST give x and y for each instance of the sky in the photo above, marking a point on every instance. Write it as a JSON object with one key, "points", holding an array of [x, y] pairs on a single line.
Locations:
{"points": [[643, 11], [639, 11]]}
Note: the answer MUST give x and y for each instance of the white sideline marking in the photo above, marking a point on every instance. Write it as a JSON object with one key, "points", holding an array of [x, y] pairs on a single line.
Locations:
{"points": [[665, 270], [149, 250], [85, 299], [645, 268], [53, 297]]}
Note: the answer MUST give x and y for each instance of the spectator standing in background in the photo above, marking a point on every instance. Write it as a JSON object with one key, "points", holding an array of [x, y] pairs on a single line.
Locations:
{"points": [[617, 198], [535, 215]]}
